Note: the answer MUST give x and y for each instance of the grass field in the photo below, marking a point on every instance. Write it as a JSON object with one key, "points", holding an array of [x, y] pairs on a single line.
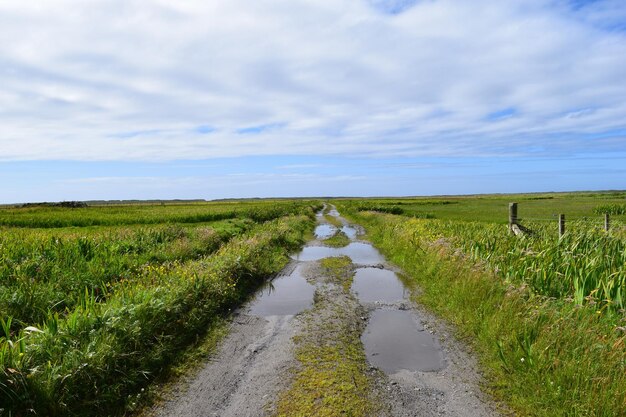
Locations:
{"points": [[546, 314], [133, 214], [96, 302], [494, 208]]}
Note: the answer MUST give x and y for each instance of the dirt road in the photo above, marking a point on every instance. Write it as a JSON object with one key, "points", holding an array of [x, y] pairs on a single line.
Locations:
{"points": [[403, 360]]}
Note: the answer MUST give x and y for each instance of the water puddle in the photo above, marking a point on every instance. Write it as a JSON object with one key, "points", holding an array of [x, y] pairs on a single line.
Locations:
{"points": [[350, 232], [324, 231], [373, 284], [359, 253], [394, 341], [285, 295], [333, 212]]}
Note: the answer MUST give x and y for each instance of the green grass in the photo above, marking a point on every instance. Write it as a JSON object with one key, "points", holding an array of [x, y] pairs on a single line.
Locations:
{"points": [[545, 315], [587, 265], [133, 300], [51, 270], [338, 240], [494, 208], [97, 302], [614, 208], [54, 217]]}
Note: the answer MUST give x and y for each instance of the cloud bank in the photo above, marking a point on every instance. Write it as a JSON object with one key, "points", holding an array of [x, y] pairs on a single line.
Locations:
{"points": [[156, 80]]}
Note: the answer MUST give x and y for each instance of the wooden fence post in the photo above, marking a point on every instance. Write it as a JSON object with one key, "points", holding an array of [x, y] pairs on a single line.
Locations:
{"points": [[512, 216], [561, 224], [606, 221]]}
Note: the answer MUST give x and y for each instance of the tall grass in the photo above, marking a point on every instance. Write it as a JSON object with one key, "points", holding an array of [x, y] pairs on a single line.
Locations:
{"points": [[91, 360], [586, 265], [610, 209], [516, 301], [89, 314], [43, 271], [50, 269]]}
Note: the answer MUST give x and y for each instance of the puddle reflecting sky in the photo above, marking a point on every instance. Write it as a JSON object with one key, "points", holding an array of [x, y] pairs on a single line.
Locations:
{"points": [[285, 295], [349, 231], [324, 231], [373, 284], [393, 341], [333, 212], [359, 253]]}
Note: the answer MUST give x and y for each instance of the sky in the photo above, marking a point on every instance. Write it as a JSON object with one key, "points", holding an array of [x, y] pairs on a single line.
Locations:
{"points": [[156, 99]]}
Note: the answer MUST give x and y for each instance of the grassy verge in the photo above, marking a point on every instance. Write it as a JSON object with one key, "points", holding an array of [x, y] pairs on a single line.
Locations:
{"points": [[96, 358], [331, 379], [543, 356], [44, 272]]}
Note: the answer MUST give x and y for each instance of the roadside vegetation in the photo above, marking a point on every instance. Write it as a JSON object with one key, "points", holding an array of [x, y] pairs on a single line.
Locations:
{"points": [[545, 314], [51, 270], [89, 316]]}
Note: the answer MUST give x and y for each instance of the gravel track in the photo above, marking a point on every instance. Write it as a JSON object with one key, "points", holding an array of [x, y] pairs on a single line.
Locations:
{"points": [[253, 365]]}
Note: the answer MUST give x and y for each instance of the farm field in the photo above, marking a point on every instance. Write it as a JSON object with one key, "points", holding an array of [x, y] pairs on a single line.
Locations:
{"points": [[96, 302], [492, 208], [546, 314]]}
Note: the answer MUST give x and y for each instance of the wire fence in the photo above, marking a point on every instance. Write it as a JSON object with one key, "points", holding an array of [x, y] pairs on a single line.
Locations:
{"points": [[605, 222], [572, 220]]}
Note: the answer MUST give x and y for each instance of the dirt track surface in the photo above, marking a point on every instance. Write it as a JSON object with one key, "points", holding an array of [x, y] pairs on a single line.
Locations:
{"points": [[244, 375], [255, 363]]}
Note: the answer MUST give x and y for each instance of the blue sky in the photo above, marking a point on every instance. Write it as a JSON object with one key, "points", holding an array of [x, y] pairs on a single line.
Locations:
{"points": [[204, 99]]}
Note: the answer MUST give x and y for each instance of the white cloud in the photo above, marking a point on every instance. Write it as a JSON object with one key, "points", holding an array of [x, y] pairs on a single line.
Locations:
{"points": [[78, 80]]}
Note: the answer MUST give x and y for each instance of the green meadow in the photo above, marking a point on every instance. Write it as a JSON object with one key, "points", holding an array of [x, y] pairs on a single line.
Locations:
{"points": [[97, 302], [493, 208]]}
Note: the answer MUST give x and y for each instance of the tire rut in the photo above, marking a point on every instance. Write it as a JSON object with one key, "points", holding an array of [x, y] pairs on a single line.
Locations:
{"points": [[255, 362]]}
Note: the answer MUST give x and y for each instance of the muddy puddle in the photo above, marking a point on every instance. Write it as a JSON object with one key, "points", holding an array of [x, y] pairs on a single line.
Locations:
{"points": [[349, 231], [324, 231], [374, 284], [284, 295], [359, 253], [333, 212], [394, 340]]}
